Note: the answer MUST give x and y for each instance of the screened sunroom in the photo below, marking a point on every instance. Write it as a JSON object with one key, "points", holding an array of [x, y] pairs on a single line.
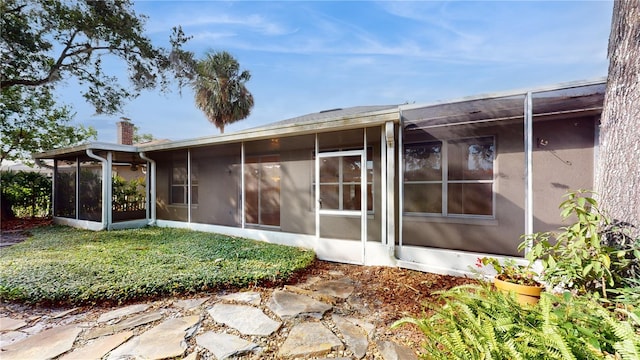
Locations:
{"points": [[430, 186], [82, 197]]}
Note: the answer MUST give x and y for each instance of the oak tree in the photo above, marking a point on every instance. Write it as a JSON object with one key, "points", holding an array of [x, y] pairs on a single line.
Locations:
{"points": [[618, 180], [46, 42]]}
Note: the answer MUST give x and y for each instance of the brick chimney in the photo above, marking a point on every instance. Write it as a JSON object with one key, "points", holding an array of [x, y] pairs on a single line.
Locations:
{"points": [[125, 131]]}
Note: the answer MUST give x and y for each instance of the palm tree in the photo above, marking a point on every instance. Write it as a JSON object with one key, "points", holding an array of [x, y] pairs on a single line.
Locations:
{"points": [[220, 90]]}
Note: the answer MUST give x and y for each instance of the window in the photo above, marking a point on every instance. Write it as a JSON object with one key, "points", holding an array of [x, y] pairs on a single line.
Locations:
{"points": [[340, 182], [450, 177], [262, 190], [179, 184]]}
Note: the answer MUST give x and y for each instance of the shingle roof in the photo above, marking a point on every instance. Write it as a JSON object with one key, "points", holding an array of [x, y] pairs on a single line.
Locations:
{"points": [[332, 113]]}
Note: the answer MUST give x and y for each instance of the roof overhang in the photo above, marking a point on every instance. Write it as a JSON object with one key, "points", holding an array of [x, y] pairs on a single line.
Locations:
{"points": [[330, 123], [581, 98], [81, 149]]}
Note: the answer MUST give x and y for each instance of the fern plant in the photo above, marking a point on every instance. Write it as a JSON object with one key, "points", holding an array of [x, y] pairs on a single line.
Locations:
{"points": [[475, 322]]}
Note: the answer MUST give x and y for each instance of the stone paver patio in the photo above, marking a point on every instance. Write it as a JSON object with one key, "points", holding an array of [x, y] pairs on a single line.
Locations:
{"points": [[301, 322]]}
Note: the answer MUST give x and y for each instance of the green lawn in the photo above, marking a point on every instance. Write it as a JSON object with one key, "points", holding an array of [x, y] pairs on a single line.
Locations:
{"points": [[65, 265]]}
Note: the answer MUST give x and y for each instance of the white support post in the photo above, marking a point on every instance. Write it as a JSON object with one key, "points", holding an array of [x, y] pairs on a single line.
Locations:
{"points": [[242, 189], [528, 170], [189, 186], [53, 187], [77, 204], [400, 180], [388, 191], [109, 182], [151, 190], [317, 185], [364, 185]]}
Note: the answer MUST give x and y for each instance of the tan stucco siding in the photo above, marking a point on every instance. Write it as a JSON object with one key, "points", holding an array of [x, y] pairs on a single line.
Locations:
{"points": [[563, 157], [500, 235]]}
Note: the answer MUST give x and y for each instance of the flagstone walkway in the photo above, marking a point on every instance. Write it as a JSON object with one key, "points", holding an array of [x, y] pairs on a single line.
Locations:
{"points": [[319, 319]]}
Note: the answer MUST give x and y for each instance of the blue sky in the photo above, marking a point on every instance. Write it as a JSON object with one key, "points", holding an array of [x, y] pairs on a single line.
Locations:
{"points": [[305, 57]]}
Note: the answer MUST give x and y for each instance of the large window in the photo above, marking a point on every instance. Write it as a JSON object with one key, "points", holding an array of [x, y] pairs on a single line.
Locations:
{"points": [[262, 190], [450, 177], [180, 185]]}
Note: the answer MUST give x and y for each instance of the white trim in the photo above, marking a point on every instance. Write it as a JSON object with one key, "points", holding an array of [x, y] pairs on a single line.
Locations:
{"points": [[596, 151], [243, 222], [339, 250], [444, 164], [189, 185], [81, 224], [364, 189], [53, 187], [130, 224], [317, 189], [105, 184], [511, 93], [388, 192], [151, 191], [383, 184], [444, 261], [362, 213], [109, 200], [77, 205], [400, 183], [528, 167], [445, 182]]}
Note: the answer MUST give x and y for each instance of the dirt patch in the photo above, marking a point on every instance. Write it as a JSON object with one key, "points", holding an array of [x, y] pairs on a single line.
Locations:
{"points": [[17, 230], [23, 224]]}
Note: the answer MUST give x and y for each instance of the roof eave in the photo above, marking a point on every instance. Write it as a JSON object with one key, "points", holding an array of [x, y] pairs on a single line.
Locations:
{"points": [[271, 131], [557, 86], [99, 146]]}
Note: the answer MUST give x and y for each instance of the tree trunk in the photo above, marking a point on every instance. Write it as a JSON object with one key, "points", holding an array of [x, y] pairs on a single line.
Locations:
{"points": [[618, 174]]}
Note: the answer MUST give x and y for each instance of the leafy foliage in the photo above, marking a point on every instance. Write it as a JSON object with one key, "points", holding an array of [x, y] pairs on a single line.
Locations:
{"points": [[220, 89], [31, 121], [45, 42], [26, 193], [577, 258], [511, 272], [475, 322], [128, 195], [64, 265], [51, 40]]}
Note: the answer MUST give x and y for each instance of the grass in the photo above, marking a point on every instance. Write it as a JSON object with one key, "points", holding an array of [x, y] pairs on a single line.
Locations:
{"points": [[61, 265]]}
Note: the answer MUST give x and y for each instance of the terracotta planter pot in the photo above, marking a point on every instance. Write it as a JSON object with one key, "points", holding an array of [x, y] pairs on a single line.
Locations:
{"points": [[525, 294]]}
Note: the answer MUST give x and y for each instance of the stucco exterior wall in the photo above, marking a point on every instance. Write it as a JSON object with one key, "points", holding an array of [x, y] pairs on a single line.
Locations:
{"points": [[563, 158], [219, 184], [164, 209], [500, 235]]}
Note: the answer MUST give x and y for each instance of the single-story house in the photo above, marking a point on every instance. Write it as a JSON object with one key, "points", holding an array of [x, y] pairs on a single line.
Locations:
{"points": [[430, 187]]}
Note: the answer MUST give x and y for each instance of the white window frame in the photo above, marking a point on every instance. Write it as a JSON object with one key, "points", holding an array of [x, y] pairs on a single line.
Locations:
{"points": [[189, 167], [341, 183], [445, 180]]}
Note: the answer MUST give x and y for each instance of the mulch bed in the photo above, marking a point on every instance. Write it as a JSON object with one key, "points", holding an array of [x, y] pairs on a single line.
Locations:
{"points": [[16, 230]]}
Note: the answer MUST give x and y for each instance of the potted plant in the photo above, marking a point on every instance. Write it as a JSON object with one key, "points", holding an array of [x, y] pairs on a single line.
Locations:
{"points": [[513, 277]]}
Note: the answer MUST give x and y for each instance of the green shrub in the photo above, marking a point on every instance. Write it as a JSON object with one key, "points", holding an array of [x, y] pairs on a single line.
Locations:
{"points": [[476, 322], [27, 194], [588, 256], [64, 265]]}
